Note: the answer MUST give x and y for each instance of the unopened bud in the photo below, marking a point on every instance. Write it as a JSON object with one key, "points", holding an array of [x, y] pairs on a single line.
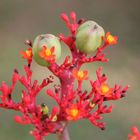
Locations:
{"points": [[54, 119], [44, 109]]}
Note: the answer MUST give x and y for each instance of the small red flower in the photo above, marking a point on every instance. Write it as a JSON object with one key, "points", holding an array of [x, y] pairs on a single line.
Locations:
{"points": [[104, 90], [27, 54], [80, 75], [73, 113], [111, 40], [47, 53]]}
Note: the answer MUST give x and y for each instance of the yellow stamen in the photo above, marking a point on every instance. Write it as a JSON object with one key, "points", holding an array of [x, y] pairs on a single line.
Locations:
{"points": [[110, 38], [48, 52], [105, 88], [80, 74], [74, 112], [29, 53]]}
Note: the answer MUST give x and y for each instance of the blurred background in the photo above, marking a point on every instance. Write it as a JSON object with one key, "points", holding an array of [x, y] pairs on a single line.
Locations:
{"points": [[21, 20]]}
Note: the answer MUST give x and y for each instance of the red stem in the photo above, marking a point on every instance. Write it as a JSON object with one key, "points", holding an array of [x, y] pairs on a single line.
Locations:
{"points": [[64, 135]]}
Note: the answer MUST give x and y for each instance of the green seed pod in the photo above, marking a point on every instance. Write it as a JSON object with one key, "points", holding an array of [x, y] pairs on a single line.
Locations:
{"points": [[89, 36], [49, 41]]}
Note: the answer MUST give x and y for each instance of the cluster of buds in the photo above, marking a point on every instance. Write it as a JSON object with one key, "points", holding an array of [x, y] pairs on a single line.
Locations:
{"points": [[73, 104]]}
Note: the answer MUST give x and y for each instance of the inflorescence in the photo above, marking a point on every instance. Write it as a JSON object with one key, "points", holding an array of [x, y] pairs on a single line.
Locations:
{"points": [[72, 104]]}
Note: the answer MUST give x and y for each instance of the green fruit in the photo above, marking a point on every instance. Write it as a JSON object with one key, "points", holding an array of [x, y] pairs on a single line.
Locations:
{"points": [[89, 36], [49, 41]]}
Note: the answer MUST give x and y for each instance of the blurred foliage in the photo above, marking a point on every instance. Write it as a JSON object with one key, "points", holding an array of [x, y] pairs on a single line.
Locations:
{"points": [[21, 20]]}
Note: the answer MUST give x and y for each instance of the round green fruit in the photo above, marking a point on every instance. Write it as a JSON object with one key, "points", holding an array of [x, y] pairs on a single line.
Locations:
{"points": [[89, 37], [49, 41]]}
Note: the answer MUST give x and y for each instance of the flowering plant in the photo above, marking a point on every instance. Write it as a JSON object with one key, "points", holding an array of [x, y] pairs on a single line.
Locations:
{"points": [[73, 103]]}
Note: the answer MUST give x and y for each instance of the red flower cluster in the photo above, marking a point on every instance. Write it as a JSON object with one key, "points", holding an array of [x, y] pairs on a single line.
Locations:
{"points": [[73, 104], [135, 135]]}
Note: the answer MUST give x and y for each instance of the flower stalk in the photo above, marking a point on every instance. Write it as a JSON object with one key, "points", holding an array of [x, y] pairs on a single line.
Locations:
{"points": [[64, 135]]}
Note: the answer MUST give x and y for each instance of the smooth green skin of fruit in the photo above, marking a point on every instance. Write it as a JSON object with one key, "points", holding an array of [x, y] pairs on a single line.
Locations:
{"points": [[89, 37], [49, 41]]}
